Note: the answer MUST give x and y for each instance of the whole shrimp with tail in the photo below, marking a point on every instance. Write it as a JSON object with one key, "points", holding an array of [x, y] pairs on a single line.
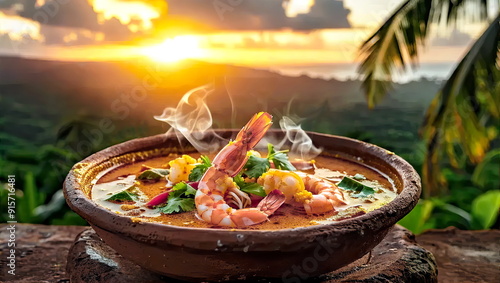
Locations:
{"points": [[209, 199]]}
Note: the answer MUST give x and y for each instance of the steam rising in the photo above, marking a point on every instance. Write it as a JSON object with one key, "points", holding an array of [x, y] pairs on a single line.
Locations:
{"points": [[301, 144], [192, 119]]}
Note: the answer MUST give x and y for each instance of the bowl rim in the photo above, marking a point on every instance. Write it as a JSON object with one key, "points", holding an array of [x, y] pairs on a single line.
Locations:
{"points": [[113, 222]]}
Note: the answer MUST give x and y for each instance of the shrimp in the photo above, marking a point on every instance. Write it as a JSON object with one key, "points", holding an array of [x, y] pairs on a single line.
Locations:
{"points": [[217, 180], [317, 195]]}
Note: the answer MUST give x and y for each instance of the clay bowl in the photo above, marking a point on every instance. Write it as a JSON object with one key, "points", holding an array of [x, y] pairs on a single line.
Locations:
{"points": [[197, 254]]}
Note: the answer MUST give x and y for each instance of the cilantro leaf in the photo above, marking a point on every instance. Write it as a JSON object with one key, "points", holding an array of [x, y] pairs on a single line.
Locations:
{"points": [[256, 166], [125, 195], [279, 159], [181, 189], [153, 174], [180, 199], [190, 191], [177, 204], [200, 169], [360, 190], [249, 188], [253, 188]]}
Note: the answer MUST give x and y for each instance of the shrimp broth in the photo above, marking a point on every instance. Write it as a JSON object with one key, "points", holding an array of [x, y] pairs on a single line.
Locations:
{"points": [[334, 169]]}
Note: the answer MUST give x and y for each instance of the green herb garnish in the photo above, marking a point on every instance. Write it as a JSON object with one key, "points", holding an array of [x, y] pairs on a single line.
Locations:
{"points": [[249, 188], [153, 174], [125, 195], [200, 169], [279, 158], [180, 199], [360, 190], [256, 166]]}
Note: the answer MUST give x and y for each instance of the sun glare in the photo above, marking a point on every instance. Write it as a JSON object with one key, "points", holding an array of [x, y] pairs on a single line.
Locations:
{"points": [[175, 49]]}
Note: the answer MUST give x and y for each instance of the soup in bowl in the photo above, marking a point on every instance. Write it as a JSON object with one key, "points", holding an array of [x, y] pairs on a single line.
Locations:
{"points": [[293, 241]]}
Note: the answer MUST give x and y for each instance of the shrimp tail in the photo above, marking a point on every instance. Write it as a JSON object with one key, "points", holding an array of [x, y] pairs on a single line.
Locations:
{"points": [[255, 129], [233, 157], [271, 202]]}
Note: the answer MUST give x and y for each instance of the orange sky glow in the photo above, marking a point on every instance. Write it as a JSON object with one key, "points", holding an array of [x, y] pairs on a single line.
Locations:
{"points": [[249, 48]]}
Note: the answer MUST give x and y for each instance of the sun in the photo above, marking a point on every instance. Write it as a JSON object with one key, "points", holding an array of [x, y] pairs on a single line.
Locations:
{"points": [[175, 49]]}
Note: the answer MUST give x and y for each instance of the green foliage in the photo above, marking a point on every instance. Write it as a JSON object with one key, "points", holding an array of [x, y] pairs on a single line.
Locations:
{"points": [[487, 173], [485, 210], [398, 42], [27, 198], [463, 119], [418, 219], [40, 161], [436, 213], [200, 169]]}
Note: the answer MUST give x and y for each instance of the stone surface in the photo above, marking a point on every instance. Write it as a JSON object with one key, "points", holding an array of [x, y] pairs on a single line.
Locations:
{"points": [[464, 256], [40, 250], [461, 256], [90, 260], [396, 259]]}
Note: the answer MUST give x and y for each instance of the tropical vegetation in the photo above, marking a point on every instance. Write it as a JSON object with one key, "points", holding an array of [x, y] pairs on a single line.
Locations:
{"points": [[462, 124]]}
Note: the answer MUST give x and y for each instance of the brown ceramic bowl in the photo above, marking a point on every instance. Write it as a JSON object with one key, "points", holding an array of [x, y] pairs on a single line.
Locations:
{"points": [[198, 254]]}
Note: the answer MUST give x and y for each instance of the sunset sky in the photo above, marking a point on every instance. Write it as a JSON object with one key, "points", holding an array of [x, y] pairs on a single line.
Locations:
{"points": [[292, 36]]}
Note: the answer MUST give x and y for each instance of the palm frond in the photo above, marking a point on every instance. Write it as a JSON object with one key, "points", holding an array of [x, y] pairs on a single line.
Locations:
{"points": [[464, 116], [396, 44], [393, 46]]}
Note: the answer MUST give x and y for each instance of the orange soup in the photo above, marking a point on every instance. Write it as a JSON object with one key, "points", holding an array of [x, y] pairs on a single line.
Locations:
{"points": [[287, 216]]}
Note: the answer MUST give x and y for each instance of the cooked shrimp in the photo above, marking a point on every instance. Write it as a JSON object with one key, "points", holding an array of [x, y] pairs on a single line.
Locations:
{"points": [[217, 180], [180, 168], [316, 194]]}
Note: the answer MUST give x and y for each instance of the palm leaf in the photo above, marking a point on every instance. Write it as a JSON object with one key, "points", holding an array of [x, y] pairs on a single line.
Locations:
{"points": [[396, 44], [392, 46], [463, 117]]}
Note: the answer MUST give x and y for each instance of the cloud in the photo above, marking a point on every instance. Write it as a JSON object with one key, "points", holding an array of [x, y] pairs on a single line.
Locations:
{"points": [[12, 45], [120, 20], [259, 14], [324, 14], [69, 36], [81, 15], [114, 30], [58, 17], [74, 13], [455, 38], [273, 40]]}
